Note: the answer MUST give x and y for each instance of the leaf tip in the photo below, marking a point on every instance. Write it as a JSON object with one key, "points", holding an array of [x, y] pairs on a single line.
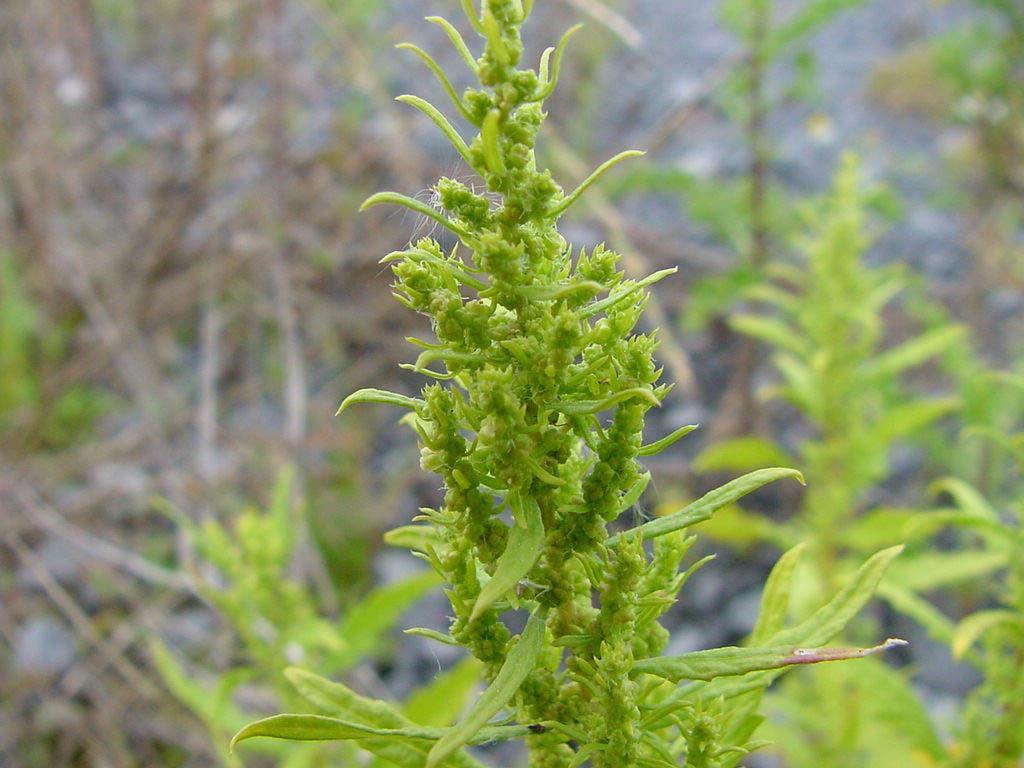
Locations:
{"points": [[369, 202]]}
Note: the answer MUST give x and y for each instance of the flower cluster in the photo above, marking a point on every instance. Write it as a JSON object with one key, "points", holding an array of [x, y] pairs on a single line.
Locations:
{"points": [[535, 423]]}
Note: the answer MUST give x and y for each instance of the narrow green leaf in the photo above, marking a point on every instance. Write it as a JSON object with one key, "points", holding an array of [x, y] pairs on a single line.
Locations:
{"points": [[489, 142], [524, 546], [457, 41], [625, 291], [966, 497], [320, 728], [441, 701], [520, 661], [492, 31], [454, 268], [938, 626], [775, 597], [709, 503], [341, 701], [558, 290], [583, 407], [829, 620], [800, 383], [904, 420], [394, 198], [471, 14], [420, 538], [441, 76], [974, 626], [914, 352], [633, 494], [770, 330], [380, 396], [181, 684], [548, 83], [731, 660], [437, 118], [603, 168], [925, 571], [740, 454], [994, 532], [366, 623], [432, 634], [652, 449]]}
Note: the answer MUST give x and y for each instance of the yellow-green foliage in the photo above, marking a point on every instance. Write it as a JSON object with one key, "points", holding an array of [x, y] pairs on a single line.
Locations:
{"points": [[19, 388], [540, 389], [243, 571]]}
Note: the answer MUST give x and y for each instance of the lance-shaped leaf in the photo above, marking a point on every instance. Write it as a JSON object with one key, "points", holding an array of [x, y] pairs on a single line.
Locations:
{"points": [[775, 597], [819, 628], [492, 31], [380, 396], [439, 120], [914, 352], [974, 626], [910, 417], [365, 624], [432, 634], [342, 702], [633, 493], [525, 541], [583, 407], [926, 571], [420, 538], [939, 627], [709, 503], [652, 449], [740, 454], [443, 699], [489, 142], [519, 663], [557, 291], [768, 329], [321, 728], [732, 660], [471, 14], [549, 79], [966, 497], [457, 41], [439, 74], [829, 620], [603, 168], [625, 291], [453, 267], [394, 198]]}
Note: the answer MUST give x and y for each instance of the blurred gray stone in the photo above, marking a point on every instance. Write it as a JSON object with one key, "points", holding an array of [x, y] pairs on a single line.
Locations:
{"points": [[43, 646]]}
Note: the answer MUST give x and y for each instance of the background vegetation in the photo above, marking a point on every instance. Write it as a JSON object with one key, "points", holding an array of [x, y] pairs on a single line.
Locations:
{"points": [[187, 294]]}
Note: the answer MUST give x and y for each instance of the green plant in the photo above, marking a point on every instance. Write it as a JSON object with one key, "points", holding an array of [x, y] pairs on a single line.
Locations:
{"points": [[529, 358], [753, 215], [19, 388], [243, 573], [827, 332], [991, 730], [31, 346]]}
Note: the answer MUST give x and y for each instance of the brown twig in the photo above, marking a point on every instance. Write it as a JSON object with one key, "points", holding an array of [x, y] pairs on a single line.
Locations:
{"points": [[78, 619]]}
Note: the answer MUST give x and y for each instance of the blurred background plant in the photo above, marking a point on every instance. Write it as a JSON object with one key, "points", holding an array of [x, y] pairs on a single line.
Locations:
{"points": [[186, 294], [244, 573]]}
